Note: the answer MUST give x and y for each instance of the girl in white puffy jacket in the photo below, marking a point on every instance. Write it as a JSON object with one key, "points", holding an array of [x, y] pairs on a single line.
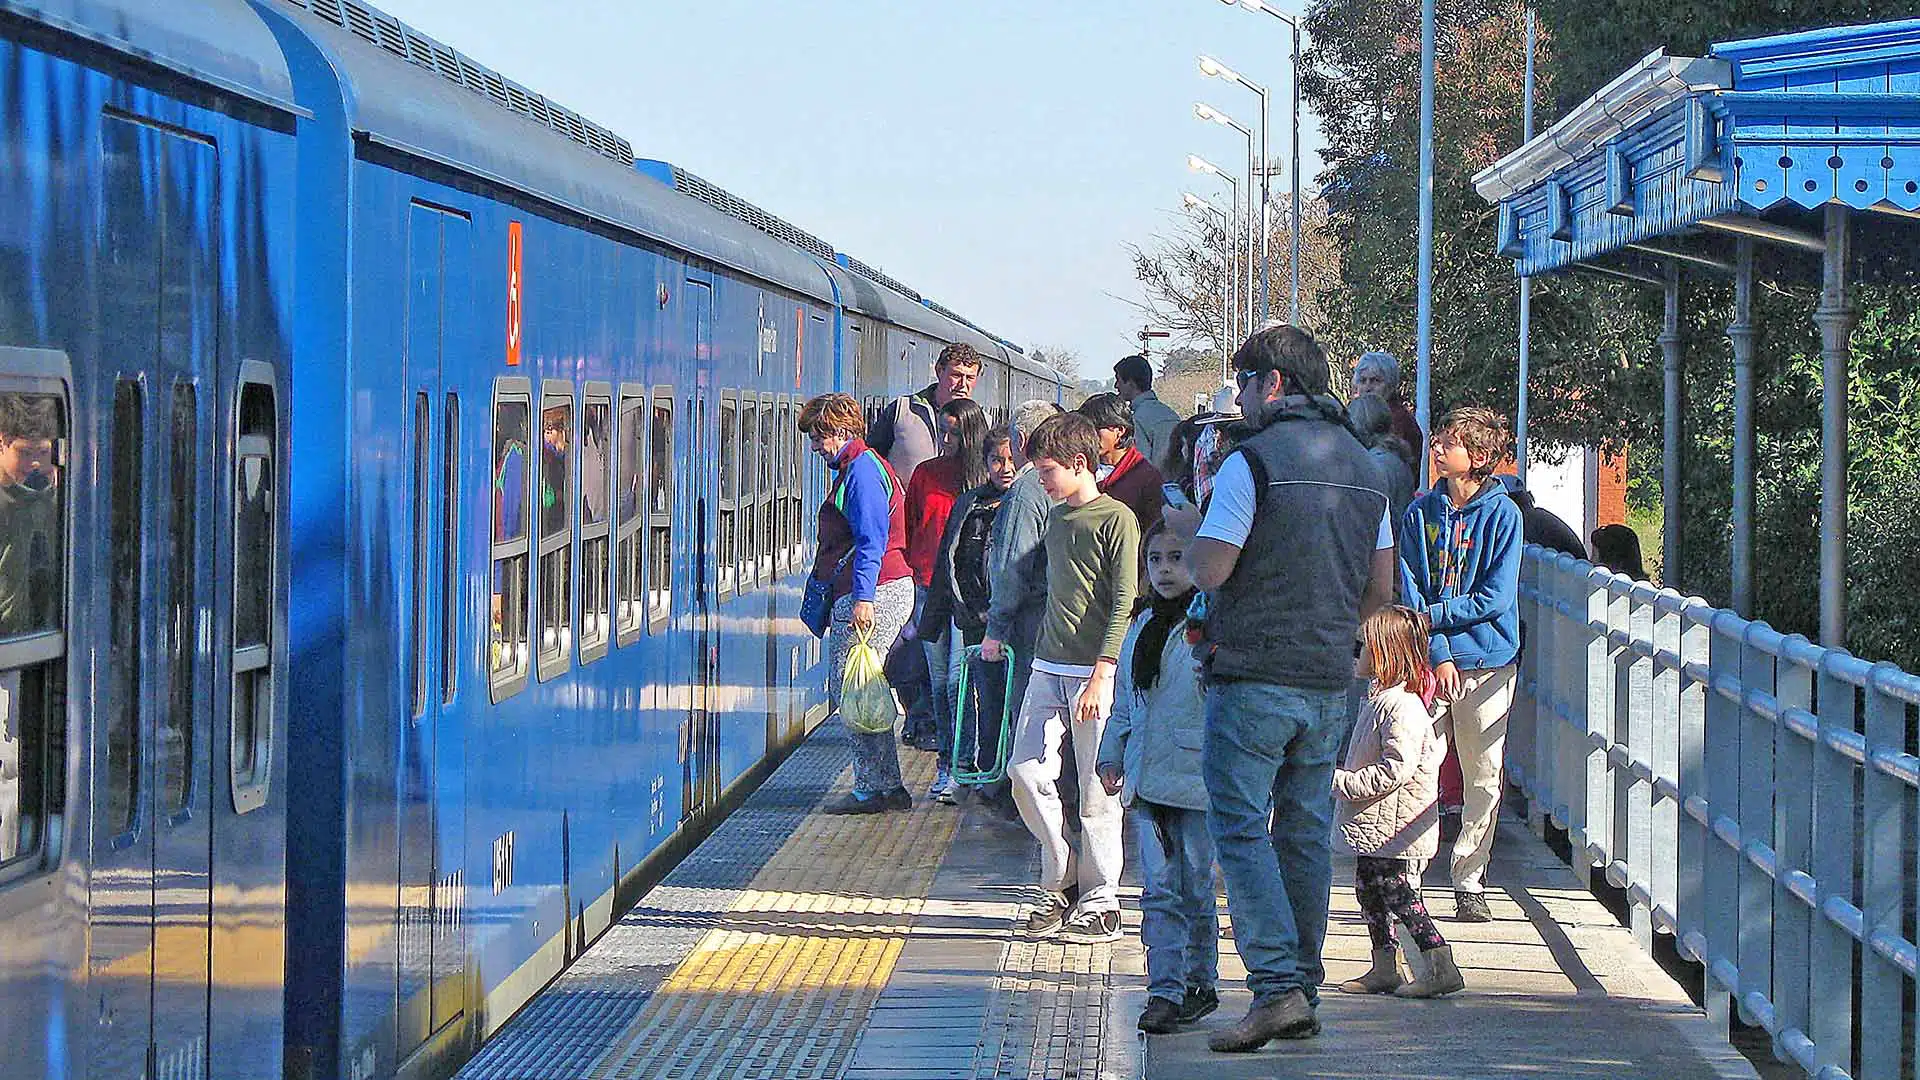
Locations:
{"points": [[1388, 804]]}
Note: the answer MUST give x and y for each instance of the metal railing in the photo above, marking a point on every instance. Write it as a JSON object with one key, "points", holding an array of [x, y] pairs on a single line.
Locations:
{"points": [[1753, 793]]}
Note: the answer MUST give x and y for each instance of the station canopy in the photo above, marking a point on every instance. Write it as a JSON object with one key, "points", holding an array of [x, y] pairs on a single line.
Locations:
{"points": [[1751, 139]]}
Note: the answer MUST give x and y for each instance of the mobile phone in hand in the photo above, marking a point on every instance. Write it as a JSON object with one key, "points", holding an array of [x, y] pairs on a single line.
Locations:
{"points": [[1174, 496]]}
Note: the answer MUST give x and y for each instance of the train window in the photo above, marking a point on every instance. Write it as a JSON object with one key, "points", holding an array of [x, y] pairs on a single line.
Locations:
{"points": [[422, 546], [729, 484], [630, 601], [512, 496], [596, 541], [126, 561], [782, 430], [450, 553], [556, 529], [255, 538], [33, 580], [747, 496], [178, 636], [660, 512], [769, 450]]}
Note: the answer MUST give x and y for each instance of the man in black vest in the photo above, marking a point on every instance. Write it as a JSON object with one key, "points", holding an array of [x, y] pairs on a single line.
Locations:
{"points": [[1295, 548]]}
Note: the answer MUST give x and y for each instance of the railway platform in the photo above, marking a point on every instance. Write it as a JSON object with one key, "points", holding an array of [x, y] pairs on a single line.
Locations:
{"points": [[796, 944]]}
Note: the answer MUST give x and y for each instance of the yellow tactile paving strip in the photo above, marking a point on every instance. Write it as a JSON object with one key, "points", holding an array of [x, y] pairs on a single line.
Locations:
{"points": [[781, 987]]}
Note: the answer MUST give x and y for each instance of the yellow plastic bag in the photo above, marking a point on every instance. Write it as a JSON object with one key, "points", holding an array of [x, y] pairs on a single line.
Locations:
{"points": [[866, 701]]}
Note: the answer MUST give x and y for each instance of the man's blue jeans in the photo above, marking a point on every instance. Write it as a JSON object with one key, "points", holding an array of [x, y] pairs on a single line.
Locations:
{"points": [[1271, 748], [1179, 920]]}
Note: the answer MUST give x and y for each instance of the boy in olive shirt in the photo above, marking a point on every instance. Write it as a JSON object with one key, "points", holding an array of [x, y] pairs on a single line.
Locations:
{"points": [[1092, 569]]}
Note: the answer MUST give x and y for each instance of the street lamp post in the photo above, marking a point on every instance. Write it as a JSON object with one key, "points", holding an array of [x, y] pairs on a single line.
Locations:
{"points": [[1229, 280], [1216, 70], [1200, 164], [1294, 25], [1423, 359], [1208, 112]]}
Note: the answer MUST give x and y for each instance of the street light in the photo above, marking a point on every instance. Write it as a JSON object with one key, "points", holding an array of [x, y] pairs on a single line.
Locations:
{"points": [[1230, 284], [1200, 164], [1293, 24], [1214, 69], [1208, 112]]}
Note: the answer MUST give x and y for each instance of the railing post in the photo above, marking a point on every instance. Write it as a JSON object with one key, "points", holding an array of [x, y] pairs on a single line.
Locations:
{"points": [[1793, 838], [1698, 847], [1520, 718], [1883, 855], [1547, 706], [1664, 711], [1631, 624], [1595, 731], [1835, 808], [1722, 752], [1755, 815]]}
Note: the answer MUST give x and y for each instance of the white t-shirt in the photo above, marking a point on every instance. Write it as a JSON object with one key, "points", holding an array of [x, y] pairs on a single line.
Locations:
{"points": [[1230, 513]]}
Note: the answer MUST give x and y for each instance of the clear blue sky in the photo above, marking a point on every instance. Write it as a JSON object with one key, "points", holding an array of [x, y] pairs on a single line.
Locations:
{"points": [[993, 154]]}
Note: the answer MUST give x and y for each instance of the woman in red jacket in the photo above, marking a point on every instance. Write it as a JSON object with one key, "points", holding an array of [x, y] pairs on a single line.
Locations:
{"points": [[961, 467]]}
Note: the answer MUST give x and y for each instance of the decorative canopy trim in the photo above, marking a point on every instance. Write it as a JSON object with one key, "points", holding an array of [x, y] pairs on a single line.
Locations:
{"points": [[1642, 90], [1795, 120]]}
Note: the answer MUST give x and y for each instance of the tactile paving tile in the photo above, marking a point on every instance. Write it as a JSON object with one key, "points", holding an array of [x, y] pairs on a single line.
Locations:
{"points": [[562, 1033], [782, 986]]}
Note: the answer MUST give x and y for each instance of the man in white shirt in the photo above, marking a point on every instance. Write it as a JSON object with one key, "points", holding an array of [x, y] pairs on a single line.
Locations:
{"points": [[1295, 548]]}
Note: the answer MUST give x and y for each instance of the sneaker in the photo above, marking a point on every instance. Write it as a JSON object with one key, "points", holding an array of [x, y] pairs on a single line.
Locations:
{"points": [[1091, 927], [1470, 907], [897, 799], [1200, 1001], [1160, 1017], [1049, 916], [942, 785], [858, 802], [949, 794]]}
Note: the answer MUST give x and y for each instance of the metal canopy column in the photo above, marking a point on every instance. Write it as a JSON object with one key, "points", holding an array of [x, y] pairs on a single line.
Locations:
{"points": [[1672, 430], [1835, 317], [1740, 332]]}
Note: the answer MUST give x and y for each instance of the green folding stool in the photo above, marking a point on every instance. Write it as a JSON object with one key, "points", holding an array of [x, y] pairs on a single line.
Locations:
{"points": [[962, 701]]}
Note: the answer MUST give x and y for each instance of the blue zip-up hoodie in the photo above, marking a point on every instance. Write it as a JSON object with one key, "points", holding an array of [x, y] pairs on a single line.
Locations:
{"points": [[1462, 567]]}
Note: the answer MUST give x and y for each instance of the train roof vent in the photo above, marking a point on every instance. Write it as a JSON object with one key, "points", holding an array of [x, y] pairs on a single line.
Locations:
{"points": [[380, 29], [732, 205], [872, 274]]}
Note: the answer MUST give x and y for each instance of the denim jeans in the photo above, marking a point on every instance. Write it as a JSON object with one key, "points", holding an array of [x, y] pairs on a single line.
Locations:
{"points": [[1179, 920], [1270, 749], [943, 664]]}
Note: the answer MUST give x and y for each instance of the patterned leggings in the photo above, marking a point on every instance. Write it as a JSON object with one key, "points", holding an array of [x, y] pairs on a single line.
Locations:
{"points": [[1382, 887]]}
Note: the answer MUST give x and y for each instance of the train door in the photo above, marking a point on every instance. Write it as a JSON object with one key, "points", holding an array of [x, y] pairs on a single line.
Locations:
{"points": [[700, 749], [429, 992], [150, 892]]}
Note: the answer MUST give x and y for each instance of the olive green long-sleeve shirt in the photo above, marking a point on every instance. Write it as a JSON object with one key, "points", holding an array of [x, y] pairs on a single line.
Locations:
{"points": [[1093, 557]]}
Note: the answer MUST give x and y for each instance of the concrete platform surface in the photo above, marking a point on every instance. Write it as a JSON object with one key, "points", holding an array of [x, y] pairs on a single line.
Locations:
{"points": [[795, 944]]}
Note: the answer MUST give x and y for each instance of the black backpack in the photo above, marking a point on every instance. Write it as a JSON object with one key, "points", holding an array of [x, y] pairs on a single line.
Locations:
{"points": [[970, 564]]}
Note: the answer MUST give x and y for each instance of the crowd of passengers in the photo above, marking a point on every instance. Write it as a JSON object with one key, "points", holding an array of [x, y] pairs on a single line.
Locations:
{"points": [[1245, 632]]}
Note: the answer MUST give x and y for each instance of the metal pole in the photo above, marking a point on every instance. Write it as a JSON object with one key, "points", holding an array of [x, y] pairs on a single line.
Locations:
{"points": [[1835, 317], [1526, 284], [1740, 333], [1672, 431], [1423, 353], [1266, 191], [1294, 226]]}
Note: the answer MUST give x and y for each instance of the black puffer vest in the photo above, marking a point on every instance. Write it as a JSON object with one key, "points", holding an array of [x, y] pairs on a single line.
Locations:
{"points": [[1289, 613]]}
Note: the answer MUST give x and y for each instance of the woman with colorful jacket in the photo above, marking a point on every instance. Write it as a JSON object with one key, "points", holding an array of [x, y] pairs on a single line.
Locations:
{"points": [[862, 551]]}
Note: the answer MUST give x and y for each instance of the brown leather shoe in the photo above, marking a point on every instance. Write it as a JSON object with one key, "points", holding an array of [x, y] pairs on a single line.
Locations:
{"points": [[1289, 1017]]}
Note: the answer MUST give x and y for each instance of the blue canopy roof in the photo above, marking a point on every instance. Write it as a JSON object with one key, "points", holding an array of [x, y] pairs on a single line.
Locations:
{"points": [[1757, 128]]}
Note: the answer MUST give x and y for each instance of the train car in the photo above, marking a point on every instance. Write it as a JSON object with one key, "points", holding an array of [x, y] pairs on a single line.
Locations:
{"points": [[382, 445], [146, 261]]}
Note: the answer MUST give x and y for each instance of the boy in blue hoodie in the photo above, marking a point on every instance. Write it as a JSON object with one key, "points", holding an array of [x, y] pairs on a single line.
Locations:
{"points": [[1460, 547]]}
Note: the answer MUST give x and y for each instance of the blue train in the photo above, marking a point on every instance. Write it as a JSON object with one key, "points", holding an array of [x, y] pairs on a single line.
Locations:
{"points": [[401, 531]]}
